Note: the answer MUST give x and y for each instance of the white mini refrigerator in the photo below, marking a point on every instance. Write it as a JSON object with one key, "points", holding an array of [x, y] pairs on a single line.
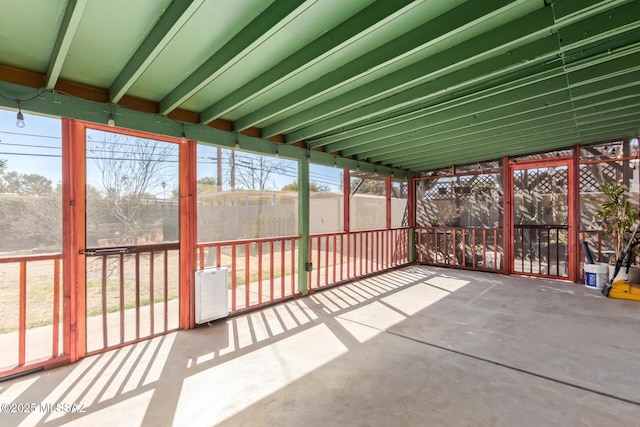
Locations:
{"points": [[211, 294]]}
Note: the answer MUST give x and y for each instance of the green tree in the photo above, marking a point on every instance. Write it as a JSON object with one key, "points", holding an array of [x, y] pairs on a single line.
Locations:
{"points": [[207, 181], [36, 185], [376, 187], [12, 182], [314, 187]]}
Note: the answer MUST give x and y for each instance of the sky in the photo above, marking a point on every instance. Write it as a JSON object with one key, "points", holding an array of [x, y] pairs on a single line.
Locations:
{"points": [[36, 149]]}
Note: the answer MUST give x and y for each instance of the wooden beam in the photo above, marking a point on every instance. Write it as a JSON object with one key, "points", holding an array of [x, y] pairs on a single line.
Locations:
{"points": [[21, 77]]}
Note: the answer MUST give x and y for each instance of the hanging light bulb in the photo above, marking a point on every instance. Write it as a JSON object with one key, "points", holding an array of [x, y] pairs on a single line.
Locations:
{"points": [[183, 136], [335, 162], [112, 121], [277, 153], [20, 120], [19, 116]]}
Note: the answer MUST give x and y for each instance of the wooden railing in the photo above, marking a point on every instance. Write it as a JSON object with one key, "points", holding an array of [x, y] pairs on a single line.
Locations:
{"points": [[261, 271], [339, 257], [129, 296], [600, 245], [471, 248], [31, 327]]}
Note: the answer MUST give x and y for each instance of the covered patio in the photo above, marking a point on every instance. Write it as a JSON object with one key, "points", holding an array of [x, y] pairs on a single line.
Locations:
{"points": [[325, 160], [419, 345]]}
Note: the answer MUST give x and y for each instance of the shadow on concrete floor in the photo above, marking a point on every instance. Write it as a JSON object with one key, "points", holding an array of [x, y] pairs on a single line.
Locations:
{"points": [[416, 346]]}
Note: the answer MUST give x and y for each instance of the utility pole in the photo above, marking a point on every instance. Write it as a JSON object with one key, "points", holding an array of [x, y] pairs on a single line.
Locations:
{"points": [[219, 164]]}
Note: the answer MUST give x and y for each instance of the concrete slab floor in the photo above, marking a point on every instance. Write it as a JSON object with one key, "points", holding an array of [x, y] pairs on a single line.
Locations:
{"points": [[416, 346]]}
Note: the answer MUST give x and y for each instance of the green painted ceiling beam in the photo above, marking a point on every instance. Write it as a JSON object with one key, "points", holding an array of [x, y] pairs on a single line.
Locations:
{"points": [[606, 122], [507, 116], [599, 76], [607, 23], [463, 152], [446, 87], [503, 135], [364, 22], [437, 163], [523, 149], [616, 82], [491, 137], [595, 116], [626, 53], [268, 22], [171, 21], [621, 20], [418, 39], [514, 150], [604, 85], [500, 107], [559, 139], [504, 44], [449, 104], [522, 119], [415, 142], [565, 10], [68, 28], [598, 72], [507, 136], [623, 132], [467, 137]]}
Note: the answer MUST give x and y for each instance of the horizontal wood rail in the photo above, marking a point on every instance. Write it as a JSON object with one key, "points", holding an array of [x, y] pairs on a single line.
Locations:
{"points": [[132, 293], [31, 312], [262, 271], [461, 247], [344, 256]]}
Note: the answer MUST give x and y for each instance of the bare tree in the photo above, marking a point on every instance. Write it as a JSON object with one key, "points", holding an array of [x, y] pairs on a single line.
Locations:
{"points": [[131, 170], [255, 172]]}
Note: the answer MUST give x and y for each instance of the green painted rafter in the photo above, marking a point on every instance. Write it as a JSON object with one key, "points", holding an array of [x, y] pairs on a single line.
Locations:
{"points": [[550, 137], [616, 24], [409, 43], [363, 22], [268, 22], [502, 45], [517, 115], [70, 22], [171, 21]]}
